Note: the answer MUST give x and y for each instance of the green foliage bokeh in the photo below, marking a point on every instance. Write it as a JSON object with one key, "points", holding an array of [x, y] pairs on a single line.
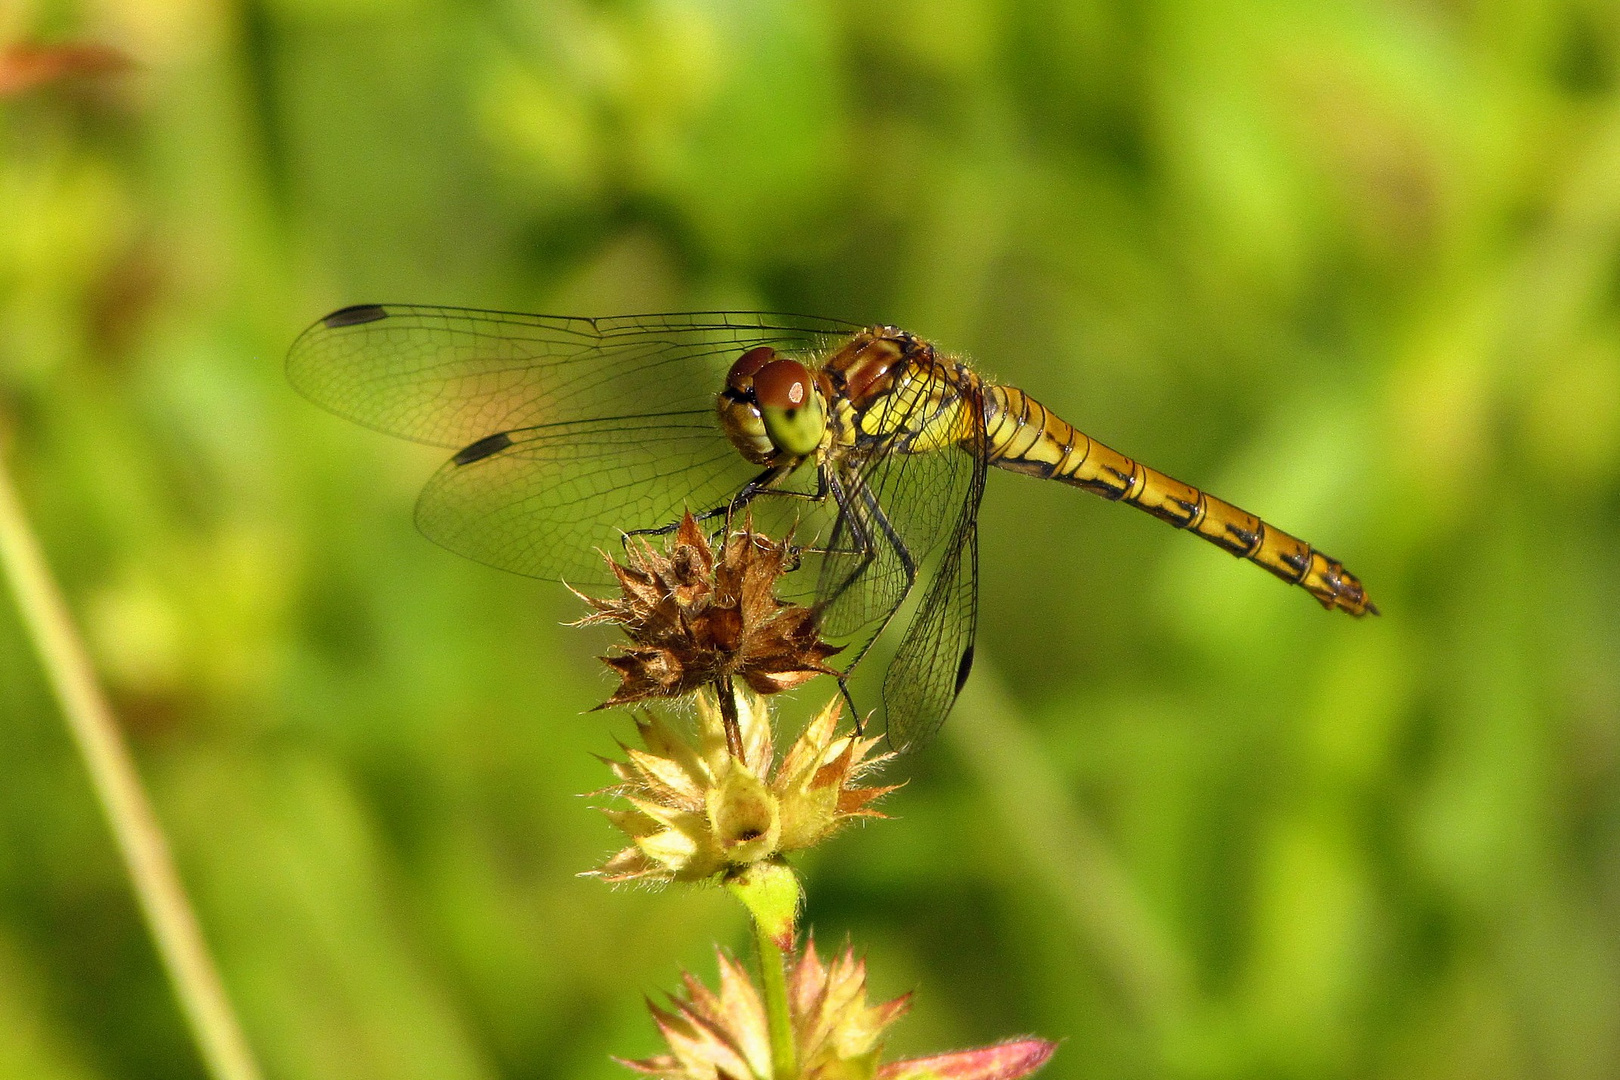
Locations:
{"points": [[1354, 265]]}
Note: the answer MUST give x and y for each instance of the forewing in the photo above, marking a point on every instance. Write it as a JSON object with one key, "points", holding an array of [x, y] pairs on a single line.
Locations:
{"points": [[569, 431], [452, 376]]}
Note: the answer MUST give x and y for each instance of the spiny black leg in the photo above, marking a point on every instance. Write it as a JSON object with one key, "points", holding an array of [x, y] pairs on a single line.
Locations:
{"points": [[869, 549], [745, 494], [848, 518], [908, 563], [854, 710], [824, 488]]}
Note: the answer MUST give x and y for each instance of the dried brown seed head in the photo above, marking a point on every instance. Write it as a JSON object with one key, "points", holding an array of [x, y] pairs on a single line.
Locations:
{"points": [[696, 617]]}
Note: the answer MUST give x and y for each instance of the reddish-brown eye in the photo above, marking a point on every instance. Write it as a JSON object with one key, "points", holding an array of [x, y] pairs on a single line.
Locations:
{"points": [[748, 364], [782, 384]]}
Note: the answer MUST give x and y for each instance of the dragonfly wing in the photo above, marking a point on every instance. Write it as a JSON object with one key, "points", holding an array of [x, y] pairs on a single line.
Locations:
{"points": [[863, 578], [896, 508], [452, 376], [910, 518], [568, 429], [545, 501], [936, 654]]}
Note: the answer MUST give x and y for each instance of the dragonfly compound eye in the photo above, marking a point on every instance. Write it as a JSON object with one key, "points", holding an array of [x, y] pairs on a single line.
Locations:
{"points": [[741, 375], [791, 406]]}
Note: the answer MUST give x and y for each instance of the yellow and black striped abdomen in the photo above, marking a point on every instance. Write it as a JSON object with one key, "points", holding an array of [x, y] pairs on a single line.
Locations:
{"points": [[1024, 436]]}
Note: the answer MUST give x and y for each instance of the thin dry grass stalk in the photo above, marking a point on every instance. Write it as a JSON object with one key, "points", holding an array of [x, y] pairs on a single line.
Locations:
{"points": [[141, 843]]}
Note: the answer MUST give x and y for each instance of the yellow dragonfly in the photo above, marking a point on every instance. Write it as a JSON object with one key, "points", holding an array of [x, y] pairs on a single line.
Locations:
{"points": [[869, 442]]}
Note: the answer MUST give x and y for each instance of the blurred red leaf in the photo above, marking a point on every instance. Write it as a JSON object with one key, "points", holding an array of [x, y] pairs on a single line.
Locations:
{"points": [[24, 67]]}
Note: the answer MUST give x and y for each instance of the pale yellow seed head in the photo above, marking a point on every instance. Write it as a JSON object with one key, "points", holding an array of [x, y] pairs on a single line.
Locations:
{"points": [[692, 810]]}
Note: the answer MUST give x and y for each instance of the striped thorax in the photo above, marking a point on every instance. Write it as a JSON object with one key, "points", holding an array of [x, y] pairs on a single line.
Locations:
{"points": [[902, 396]]}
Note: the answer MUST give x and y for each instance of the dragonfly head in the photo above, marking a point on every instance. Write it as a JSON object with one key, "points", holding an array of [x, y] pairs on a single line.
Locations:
{"points": [[772, 407]]}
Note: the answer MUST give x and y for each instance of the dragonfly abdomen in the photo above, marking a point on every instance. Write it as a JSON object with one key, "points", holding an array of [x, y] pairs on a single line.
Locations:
{"points": [[1024, 436]]}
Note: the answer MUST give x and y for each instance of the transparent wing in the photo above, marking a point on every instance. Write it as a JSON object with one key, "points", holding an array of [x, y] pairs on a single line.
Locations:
{"points": [[554, 498], [896, 508], [451, 376], [936, 653], [568, 430], [909, 517]]}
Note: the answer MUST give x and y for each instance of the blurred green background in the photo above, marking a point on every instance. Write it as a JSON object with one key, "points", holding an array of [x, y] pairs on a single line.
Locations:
{"points": [[1353, 265]]}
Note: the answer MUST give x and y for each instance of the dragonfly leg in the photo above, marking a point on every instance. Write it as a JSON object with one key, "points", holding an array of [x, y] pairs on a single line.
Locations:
{"points": [[762, 484], [849, 518], [872, 509], [820, 495], [766, 484], [864, 540], [849, 699], [903, 553]]}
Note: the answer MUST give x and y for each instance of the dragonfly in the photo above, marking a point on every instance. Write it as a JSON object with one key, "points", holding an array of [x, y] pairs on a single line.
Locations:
{"points": [[869, 442]]}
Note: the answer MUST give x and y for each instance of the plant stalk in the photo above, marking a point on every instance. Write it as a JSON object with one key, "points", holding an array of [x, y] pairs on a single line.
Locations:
{"points": [[141, 843], [726, 692], [773, 981]]}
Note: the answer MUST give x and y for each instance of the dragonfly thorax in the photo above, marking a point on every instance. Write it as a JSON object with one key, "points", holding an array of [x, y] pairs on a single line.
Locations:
{"points": [[867, 366]]}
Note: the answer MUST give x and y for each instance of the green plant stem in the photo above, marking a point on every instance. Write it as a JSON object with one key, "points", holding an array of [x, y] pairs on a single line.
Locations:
{"points": [[135, 827], [773, 980]]}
